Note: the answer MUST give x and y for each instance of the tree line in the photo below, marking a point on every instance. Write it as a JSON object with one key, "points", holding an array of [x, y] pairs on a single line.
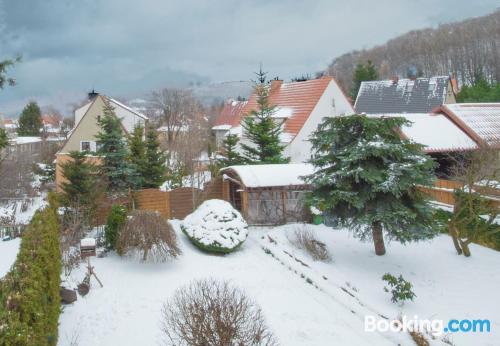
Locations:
{"points": [[468, 50]]}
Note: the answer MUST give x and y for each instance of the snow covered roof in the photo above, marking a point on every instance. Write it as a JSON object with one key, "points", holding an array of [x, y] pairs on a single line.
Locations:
{"points": [[480, 120], [253, 176], [436, 132], [132, 110], [420, 95], [26, 140]]}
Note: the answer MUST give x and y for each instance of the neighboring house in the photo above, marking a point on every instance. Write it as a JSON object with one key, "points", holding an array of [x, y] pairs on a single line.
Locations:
{"points": [[481, 121], [300, 107], [10, 126], [229, 118], [419, 95], [51, 125], [83, 135]]}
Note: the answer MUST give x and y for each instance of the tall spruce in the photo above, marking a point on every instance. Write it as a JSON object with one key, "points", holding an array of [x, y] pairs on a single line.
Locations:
{"points": [[137, 153], [262, 129], [4, 139], [30, 121], [119, 172], [363, 73], [230, 154], [154, 172], [367, 176]]}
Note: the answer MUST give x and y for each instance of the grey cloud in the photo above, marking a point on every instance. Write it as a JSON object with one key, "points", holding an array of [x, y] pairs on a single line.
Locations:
{"points": [[127, 47]]}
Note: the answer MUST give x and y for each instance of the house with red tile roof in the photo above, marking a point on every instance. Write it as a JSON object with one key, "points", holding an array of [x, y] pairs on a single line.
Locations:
{"points": [[229, 117], [300, 107]]}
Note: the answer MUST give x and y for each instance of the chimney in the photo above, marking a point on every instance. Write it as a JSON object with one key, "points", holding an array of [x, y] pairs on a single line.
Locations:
{"points": [[92, 94], [275, 85], [395, 80]]}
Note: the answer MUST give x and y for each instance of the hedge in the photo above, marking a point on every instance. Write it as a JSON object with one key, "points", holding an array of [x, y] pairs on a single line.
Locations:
{"points": [[213, 248], [29, 293]]}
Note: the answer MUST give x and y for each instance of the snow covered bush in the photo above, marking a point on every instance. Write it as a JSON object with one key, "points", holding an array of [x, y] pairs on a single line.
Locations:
{"points": [[400, 289], [149, 236], [210, 312], [303, 238], [216, 227]]}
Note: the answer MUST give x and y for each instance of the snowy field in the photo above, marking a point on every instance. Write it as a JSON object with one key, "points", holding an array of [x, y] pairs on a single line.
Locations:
{"points": [[308, 303], [8, 253]]}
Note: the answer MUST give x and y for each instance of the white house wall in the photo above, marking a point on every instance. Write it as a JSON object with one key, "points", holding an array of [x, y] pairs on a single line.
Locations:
{"points": [[299, 150]]}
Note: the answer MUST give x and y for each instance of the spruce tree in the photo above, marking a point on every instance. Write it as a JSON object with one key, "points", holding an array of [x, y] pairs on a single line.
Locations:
{"points": [[262, 129], [362, 73], [80, 188], [154, 171], [30, 121], [231, 157], [119, 172], [4, 139], [137, 153], [367, 176]]}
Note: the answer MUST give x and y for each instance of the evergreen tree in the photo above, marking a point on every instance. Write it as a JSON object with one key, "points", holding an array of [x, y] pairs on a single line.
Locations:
{"points": [[119, 172], [262, 129], [154, 171], [231, 156], [114, 223], [137, 153], [4, 67], [363, 73], [80, 188], [481, 91], [4, 139], [30, 121], [367, 176]]}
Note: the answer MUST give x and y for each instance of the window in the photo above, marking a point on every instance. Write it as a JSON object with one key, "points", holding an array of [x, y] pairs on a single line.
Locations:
{"points": [[84, 146]]}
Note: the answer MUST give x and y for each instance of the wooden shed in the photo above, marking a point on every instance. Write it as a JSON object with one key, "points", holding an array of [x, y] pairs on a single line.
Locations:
{"points": [[269, 194]]}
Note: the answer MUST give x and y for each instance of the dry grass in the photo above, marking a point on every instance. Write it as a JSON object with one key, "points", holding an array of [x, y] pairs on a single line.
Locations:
{"points": [[419, 338], [303, 238]]}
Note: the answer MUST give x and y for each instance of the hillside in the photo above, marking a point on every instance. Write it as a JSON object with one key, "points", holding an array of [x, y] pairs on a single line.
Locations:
{"points": [[464, 49]]}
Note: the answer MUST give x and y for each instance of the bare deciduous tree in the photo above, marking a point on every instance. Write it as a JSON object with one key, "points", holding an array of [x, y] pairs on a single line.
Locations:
{"points": [[149, 236], [213, 313], [474, 214]]}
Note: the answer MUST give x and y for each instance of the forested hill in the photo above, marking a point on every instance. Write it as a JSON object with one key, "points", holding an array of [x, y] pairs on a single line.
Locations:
{"points": [[467, 50]]}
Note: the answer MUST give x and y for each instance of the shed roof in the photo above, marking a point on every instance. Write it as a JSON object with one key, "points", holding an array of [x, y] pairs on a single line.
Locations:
{"points": [[480, 120], [254, 176], [420, 95], [436, 132]]}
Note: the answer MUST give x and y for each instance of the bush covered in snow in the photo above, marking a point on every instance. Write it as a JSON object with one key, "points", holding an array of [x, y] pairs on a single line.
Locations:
{"points": [[216, 227], [149, 236], [210, 312]]}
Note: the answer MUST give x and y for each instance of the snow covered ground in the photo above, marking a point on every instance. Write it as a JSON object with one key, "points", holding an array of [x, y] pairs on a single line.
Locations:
{"points": [[308, 303], [8, 253]]}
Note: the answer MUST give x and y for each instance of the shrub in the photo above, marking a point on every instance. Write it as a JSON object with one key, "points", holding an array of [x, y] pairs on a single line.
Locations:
{"points": [[149, 236], [303, 238], [210, 312], [400, 289], [216, 227], [29, 293], [116, 219]]}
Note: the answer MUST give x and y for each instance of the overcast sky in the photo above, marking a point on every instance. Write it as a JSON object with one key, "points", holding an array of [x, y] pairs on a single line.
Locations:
{"points": [[127, 47]]}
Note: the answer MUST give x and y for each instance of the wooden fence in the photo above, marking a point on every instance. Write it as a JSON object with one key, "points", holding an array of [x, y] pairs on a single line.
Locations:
{"points": [[180, 202], [443, 192]]}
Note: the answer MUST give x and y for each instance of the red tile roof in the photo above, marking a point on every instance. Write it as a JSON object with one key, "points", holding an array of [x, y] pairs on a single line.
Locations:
{"points": [[296, 99], [49, 119], [231, 113]]}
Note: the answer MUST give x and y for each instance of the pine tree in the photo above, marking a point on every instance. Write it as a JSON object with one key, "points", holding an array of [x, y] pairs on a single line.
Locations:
{"points": [[120, 174], [154, 171], [30, 121], [367, 176], [362, 73], [262, 129], [80, 188], [231, 157], [137, 153]]}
